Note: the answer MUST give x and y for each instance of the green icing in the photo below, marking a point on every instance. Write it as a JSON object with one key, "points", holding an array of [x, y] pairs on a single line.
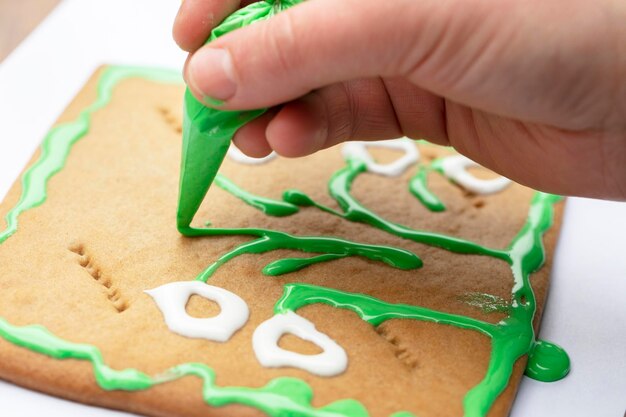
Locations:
{"points": [[340, 187], [206, 138], [547, 362], [270, 240], [268, 206], [281, 397], [285, 266], [370, 309], [39, 339], [419, 188]]}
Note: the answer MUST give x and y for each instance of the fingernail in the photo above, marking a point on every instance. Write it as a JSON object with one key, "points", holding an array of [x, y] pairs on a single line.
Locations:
{"points": [[211, 74]]}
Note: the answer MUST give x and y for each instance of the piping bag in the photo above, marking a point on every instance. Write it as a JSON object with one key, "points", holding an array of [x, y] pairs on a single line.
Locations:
{"points": [[207, 132]]}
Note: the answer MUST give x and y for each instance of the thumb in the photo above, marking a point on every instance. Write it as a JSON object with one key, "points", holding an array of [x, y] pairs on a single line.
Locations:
{"points": [[314, 44]]}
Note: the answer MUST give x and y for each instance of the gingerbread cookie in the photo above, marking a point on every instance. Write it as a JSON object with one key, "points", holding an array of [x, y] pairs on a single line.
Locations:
{"points": [[371, 279]]}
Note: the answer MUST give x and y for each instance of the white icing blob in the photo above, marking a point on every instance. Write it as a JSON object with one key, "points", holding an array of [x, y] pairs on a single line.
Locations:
{"points": [[359, 151], [332, 361], [455, 168], [172, 299], [236, 155]]}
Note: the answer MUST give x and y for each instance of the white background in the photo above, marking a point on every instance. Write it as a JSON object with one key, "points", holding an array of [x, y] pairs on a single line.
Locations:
{"points": [[586, 311]]}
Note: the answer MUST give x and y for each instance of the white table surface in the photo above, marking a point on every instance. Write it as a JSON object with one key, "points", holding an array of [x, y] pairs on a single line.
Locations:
{"points": [[586, 310]]}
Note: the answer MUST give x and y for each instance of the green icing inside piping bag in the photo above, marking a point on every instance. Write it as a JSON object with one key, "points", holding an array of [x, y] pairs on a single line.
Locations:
{"points": [[207, 132]]}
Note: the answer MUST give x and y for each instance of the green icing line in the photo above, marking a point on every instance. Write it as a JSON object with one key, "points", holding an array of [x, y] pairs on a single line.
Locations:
{"points": [[281, 397], [268, 206], [40, 340], [419, 188], [285, 266], [58, 142], [370, 309]]}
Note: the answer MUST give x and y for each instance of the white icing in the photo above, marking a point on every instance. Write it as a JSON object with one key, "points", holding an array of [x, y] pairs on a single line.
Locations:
{"points": [[172, 299], [332, 361], [359, 151], [455, 168], [236, 155]]}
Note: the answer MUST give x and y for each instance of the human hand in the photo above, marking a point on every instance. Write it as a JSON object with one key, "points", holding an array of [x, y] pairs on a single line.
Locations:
{"points": [[533, 90]]}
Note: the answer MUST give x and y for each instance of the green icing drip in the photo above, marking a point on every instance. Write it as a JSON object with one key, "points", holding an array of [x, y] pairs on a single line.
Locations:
{"points": [[298, 198], [285, 266], [419, 188], [547, 362], [486, 302], [268, 206]]}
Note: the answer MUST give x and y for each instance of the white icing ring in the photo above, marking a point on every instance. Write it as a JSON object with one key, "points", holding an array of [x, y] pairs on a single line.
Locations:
{"points": [[455, 168], [332, 361], [236, 155], [172, 299], [359, 151]]}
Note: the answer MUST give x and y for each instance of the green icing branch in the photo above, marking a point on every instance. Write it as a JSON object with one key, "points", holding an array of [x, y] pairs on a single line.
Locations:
{"points": [[340, 187], [270, 240]]}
